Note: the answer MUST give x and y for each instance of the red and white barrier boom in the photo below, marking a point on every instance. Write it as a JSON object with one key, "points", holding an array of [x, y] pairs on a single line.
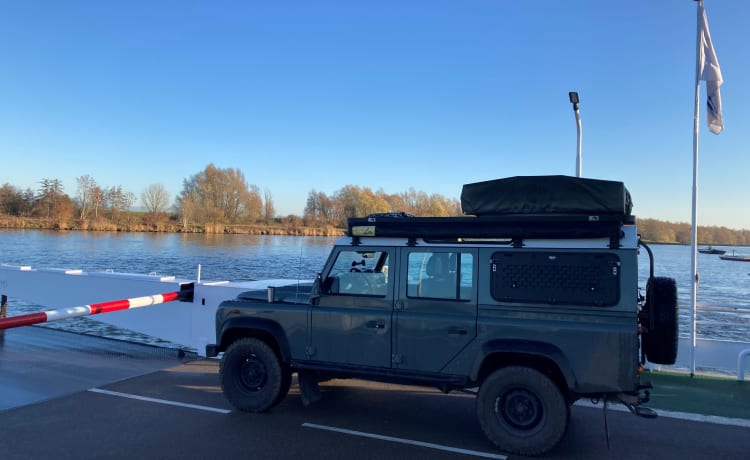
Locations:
{"points": [[95, 308]]}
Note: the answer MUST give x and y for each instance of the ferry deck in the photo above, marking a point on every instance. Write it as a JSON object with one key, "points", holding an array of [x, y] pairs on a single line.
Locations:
{"points": [[66, 395]]}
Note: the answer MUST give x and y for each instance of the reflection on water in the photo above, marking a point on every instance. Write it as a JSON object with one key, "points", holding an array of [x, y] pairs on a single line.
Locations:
{"points": [[723, 295]]}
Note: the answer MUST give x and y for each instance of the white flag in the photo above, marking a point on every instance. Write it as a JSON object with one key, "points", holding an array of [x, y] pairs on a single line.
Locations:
{"points": [[711, 73]]}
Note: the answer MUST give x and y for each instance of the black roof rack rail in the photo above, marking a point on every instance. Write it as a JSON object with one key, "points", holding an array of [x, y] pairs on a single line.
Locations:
{"points": [[517, 226]]}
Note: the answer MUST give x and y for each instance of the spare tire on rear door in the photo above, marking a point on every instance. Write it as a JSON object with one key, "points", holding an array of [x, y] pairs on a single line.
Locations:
{"points": [[660, 337]]}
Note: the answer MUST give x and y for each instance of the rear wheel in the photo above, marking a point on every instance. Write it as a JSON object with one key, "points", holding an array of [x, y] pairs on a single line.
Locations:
{"points": [[660, 340], [251, 376], [522, 411]]}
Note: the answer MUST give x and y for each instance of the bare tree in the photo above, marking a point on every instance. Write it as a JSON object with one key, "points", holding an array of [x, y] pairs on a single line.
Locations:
{"points": [[253, 204], [319, 208], [186, 206], [269, 211], [50, 194], [87, 194], [11, 200], [155, 198], [117, 200], [218, 195], [99, 200]]}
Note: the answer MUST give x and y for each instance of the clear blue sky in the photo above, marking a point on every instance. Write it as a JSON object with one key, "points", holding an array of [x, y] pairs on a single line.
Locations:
{"points": [[303, 95]]}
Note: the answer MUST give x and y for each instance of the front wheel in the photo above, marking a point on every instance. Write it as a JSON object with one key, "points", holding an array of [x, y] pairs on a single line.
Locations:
{"points": [[251, 376], [522, 411]]}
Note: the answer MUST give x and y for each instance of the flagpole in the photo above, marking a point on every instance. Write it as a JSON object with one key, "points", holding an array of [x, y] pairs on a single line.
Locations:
{"points": [[694, 227]]}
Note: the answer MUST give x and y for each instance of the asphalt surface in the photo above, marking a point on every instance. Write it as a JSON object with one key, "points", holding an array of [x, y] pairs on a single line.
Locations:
{"points": [[186, 416], [38, 363]]}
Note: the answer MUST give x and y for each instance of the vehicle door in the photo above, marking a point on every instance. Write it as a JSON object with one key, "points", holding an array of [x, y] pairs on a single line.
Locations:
{"points": [[351, 321], [436, 310]]}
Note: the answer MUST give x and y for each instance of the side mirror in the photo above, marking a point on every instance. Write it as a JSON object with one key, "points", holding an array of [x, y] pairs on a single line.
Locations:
{"points": [[315, 290]]}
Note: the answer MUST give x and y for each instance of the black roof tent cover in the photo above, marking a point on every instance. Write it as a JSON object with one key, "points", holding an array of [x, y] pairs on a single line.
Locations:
{"points": [[545, 195], [518, 208]]}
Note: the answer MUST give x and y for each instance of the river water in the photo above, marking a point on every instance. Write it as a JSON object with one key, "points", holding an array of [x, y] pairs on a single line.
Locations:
{"points": [[723, 293]]}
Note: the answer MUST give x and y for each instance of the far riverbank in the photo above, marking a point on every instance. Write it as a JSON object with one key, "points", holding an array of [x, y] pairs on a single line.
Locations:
{"points": [[279, 227], [651, 231]]}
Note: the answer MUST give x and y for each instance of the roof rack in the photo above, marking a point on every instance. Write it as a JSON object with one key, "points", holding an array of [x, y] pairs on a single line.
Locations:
{"points": [[520, 226]]}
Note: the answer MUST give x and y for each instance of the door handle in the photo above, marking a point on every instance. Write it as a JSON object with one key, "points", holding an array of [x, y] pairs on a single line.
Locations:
{"points": [[375, 325], [456, 331]]}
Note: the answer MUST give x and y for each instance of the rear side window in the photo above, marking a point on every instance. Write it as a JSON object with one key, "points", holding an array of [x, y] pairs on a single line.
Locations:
{"points": [[556, 278], [440, 275]]}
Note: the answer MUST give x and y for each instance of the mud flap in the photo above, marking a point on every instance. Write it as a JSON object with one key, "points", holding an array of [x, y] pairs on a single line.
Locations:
{"points": [[308, 387]]}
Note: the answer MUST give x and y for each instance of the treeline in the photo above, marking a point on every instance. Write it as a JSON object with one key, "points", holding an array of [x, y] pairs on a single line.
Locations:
{"points": [[354, 201], [658, 231], [218, 200], [214, 200]]}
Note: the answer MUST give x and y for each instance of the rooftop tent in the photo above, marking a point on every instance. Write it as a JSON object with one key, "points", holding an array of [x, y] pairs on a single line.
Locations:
{"points": [[546, 195], [518, 208]]}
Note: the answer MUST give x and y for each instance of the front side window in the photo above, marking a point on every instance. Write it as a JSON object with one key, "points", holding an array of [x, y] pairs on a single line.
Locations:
{"points": [[358, 273], [440, 275]]}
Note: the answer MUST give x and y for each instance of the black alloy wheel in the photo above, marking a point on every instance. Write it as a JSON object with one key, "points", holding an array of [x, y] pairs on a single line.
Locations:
{"points": [[522, 411], [252, 376]]}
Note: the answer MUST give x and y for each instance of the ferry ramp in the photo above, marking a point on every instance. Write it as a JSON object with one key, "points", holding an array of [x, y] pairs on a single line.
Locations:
{"points": [[40, 363]]}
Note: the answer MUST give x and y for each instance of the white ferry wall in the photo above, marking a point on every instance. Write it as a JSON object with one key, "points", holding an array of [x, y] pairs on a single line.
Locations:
{"points": [[188, 324]]}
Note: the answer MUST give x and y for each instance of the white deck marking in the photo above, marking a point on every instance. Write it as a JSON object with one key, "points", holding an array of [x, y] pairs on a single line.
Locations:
{"points": [[160, 401], [429, 445], [617, 407], [714, 419]]}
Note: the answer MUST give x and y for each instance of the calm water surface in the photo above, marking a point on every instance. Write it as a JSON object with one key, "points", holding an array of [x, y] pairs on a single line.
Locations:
{"points": [[723, 295]]}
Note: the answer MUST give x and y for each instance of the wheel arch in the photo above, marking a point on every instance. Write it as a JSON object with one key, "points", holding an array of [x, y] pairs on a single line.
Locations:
{"points": [[544, 357], [266, 330]]}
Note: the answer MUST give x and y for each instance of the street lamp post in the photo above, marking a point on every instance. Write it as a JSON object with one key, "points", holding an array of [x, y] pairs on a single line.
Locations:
{"points": [[574, 100]]}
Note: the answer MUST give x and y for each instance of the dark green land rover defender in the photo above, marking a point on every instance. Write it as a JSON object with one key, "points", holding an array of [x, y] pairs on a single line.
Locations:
{"points": [[532, 298]]}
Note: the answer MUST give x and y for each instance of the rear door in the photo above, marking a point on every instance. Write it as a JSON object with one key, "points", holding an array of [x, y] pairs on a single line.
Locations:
{"points": [[436, 310]]}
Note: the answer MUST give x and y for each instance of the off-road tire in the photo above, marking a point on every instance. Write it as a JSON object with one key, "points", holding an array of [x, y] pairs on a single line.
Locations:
{"points": [[522, 411], [286, 383], [660, 341], [251, 375]]}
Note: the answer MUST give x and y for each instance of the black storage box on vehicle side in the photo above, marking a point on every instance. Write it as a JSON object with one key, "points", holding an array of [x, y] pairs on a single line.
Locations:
{"points": [[546, 195]]}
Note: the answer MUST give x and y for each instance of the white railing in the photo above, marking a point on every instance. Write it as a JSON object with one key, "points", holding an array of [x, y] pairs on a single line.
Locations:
{"points": [[741, 363]]}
